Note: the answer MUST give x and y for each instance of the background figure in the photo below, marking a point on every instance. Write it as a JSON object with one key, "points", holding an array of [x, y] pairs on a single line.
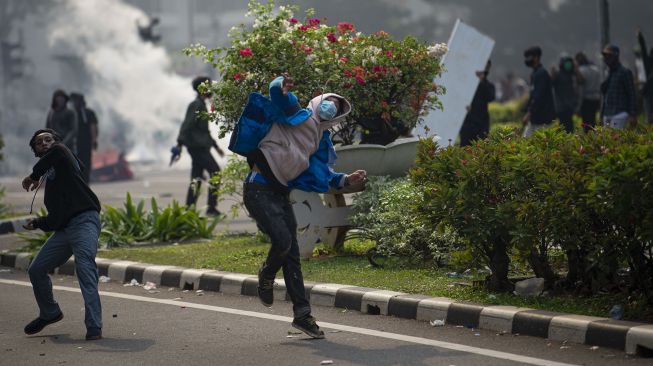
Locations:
{"points": [[477, 122], [565, 92], [62, 120], [589, 83], [195, 135], [618, 92], [540, 109], [86, 132], [646, 78]]}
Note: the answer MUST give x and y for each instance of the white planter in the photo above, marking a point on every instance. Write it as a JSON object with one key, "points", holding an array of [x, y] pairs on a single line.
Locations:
{"points": [[394, 159]]}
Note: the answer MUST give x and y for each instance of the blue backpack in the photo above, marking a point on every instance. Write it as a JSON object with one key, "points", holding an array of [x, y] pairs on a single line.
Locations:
{"points": [[253, 124]]}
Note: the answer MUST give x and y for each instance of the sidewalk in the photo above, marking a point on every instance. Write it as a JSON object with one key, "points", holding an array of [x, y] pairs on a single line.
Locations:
{"points": [[633, 338]]}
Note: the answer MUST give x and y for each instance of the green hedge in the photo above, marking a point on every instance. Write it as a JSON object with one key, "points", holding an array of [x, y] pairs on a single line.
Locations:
{"points": [[587, 196]]}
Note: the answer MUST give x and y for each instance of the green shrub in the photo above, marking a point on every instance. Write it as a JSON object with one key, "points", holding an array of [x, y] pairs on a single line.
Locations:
{"points": [[582, 195], [229, 181], [386, 212], [506, 112]]}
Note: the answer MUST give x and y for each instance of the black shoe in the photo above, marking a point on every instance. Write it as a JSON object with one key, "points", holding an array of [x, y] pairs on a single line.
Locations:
{"points": [[93, 334], [265, 289], [308, 325], [213, 212], [38, 324]]}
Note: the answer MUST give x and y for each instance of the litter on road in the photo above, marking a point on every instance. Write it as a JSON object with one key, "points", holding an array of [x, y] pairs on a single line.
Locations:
{"points": [[437, 323], [149, 286], [104, 279]]}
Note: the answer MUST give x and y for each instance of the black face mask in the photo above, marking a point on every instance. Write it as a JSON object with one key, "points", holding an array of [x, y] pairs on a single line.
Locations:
{"points": [[529, 62], [610, 60]]}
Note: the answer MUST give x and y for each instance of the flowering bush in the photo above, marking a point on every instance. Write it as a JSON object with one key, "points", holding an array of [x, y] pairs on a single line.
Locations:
{"points": [[389, 82]]}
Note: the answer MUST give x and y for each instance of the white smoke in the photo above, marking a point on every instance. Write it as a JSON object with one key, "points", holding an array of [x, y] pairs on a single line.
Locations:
{"points": [[131, 79], [555, 5]]}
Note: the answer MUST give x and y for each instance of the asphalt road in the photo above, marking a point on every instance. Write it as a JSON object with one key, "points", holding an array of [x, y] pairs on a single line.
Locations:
{"points": [[172, 327]]}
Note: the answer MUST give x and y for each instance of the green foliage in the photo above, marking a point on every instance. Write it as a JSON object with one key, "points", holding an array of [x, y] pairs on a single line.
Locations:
{"points": [[507, 112], [553, 193], [133, 224], [230, 182], [4, 208], [382, 77], [387, 213]]}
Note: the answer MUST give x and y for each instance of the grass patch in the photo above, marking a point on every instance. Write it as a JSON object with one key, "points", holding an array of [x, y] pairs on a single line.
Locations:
{"points": [[245, 253]]}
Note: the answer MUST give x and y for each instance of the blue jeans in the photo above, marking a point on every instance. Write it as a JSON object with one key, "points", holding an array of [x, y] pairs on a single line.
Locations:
{"points": [[275, 217], [79, 237]]}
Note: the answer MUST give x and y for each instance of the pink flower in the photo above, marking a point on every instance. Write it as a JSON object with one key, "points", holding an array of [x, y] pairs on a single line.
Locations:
{"points": [[307, 49], [237, 76], [332, 37], [360, 80], [348, 73], [314, 22], [389, 53], [377, 68], [344, 59], [247, 52], [303, 27], [292, 20], [347, 85], [344, 27]]}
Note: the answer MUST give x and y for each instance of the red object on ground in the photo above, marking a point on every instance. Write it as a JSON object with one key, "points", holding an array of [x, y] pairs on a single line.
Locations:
{"points": [[110, 165]]}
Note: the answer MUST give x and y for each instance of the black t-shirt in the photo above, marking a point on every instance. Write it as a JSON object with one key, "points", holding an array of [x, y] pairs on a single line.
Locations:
{"points": [[66, 193]]}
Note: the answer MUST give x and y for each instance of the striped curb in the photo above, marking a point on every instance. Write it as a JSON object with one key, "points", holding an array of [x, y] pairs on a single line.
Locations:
{"points": [[633, 338], [14, 225]]}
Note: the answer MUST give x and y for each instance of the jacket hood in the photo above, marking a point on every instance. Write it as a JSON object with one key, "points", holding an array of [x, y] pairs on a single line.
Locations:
{"points": [[314, 107]]}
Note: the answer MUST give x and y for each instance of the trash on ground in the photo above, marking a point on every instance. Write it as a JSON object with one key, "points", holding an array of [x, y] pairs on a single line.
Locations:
{"points": [[171, 289], [292, 336], [326, 362], [185, 291], [133, 282], [5, 271], [177, 298], [477, 334], [153, 292], [149, 286], [564, 347], [200, 292], [529, 287], [437, 323], [453, 274], [594, 348], [104, 279], [616, 312]]}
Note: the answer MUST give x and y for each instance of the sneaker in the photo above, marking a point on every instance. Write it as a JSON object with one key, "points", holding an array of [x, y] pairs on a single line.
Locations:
{"points": [[308, 325], [213, 212], [38, 324], [93, 334], [265, 289]]}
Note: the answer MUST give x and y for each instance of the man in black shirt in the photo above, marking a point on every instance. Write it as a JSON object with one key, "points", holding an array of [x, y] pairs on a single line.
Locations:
{"points": [[195, 135], [477, 121], [73, 215], [540, 109]]}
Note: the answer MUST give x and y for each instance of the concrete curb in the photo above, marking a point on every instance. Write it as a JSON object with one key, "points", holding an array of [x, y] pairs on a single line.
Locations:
{"points": [[633, 338], [14, 224]]}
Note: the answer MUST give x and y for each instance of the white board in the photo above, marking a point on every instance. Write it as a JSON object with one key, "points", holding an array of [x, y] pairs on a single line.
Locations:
{"points": [[468, 52]]}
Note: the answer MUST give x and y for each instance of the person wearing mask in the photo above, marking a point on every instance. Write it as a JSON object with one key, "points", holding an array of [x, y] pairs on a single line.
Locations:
{"points": [[618, 90], [540, 109], [292, 150], [86, 132], [565, 92], [195, 135], [589, 82], [477, 122], [73, 215], [62, 120]]}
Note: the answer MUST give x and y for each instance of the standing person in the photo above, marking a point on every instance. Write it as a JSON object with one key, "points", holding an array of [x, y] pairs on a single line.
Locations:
{"points": [[62, 120], [73, 215], [646, 77], [195, 135], [296, 152], [565, 92], [618, 92], [540, 109], [477, 121], [86, 132], [589, 82]]}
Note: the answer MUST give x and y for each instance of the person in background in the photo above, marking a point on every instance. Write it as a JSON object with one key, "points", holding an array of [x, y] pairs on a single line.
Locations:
{"points": [[87, 131], [62, 120], [540, 109], [645, 77], [73, 215], [618, 90], [588, 77], [195, 135], [564, 90], [477, 121]]}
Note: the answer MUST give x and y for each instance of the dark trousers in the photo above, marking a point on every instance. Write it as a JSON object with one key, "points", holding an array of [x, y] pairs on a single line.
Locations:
{"points": [[275, 217], [588, 110], [567, 120], [84, 155], [202, 161]]}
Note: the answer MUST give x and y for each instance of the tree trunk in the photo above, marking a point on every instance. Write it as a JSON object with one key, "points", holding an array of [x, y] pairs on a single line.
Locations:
{"points": [[499, 264]]}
